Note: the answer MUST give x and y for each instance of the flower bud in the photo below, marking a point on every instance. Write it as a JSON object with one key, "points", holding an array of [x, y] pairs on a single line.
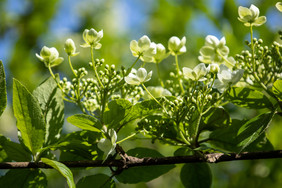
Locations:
{"points": [[70, 47], [213, 68]]}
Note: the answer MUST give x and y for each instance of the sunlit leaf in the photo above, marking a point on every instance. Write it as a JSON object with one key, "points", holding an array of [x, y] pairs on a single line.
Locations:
{"points": [[248, 98], [51, 102], [253, 128], [63, 169], [277, 89], [3, 93], [30, 121], [85, 122]]}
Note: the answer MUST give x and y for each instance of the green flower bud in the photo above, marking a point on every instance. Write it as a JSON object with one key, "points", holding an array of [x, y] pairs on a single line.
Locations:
{"points": [[70, 48]]}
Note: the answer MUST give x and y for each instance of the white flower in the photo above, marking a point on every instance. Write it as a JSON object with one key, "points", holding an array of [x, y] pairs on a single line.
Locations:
{"points": [[214, 50], [108, 145], [138, 77], [70, 48], [92, 38], [250, 16], [143, 48], [177, 46], [50, 56], [156, 92], [279, 6], [213, 68], [227, 78], [161, 53], [197, 74]]}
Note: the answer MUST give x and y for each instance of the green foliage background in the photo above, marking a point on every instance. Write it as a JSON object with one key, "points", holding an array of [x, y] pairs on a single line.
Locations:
{"points": [[159, 19]]}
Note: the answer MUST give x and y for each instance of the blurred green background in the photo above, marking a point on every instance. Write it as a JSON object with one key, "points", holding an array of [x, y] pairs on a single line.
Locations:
{"points": [[27, 25]]}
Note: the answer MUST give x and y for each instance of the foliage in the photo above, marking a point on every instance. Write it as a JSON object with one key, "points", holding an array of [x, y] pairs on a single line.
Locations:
{"points": [[187, 110]]}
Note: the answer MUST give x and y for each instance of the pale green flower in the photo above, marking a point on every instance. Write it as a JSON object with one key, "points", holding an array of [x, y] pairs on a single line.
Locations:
{"points": [[92, 38], [156, 92], [227, 78], [214, 50], [197, 74], [138, 77], [50, 56], [144, 48], [161, 53], [279, 6], [250, 16], [108, 145], [70, 48], [177, 46], [213, 68]]}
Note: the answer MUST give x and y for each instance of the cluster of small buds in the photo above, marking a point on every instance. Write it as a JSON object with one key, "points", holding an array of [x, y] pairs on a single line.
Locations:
{"points": [[66, 85], [91, 104], [267, 62], [81, 72], [158, 127]]}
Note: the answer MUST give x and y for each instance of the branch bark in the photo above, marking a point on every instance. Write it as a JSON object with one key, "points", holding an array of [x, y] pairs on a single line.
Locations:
{"points": [[148, 161]]}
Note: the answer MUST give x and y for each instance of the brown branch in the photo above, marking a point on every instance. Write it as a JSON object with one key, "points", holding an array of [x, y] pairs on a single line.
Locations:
{"points": [[148, 161]]}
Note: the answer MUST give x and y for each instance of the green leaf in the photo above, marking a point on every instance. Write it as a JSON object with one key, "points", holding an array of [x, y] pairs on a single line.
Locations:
{"points": [[96, 181], [25, 178], [277, 89], [146, 173], [253, 128], [80, 145], [164, 130], [226, 138], [51, 102], [243, 135], [14, 150], [3, 92], [184, 151], [196, 175], [85, 122], [63, 169], [30, 121], [120, 112], [248, 98], [215, 118], [117, 110]]}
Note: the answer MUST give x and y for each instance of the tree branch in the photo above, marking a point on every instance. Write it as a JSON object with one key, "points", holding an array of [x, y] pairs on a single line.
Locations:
{"points": [[148, 161]]}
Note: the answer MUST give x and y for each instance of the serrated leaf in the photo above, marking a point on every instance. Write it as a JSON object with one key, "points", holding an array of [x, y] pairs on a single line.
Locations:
{"points": [[253, 128], [30, 121], [3, 92], [85, 122], [51, 102], [96, 181], [196, 175], [63, 169], [277, 89], [14, 150], [25, 178], [146, 173], [248, 98], [117, 110], [215, 118]]}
